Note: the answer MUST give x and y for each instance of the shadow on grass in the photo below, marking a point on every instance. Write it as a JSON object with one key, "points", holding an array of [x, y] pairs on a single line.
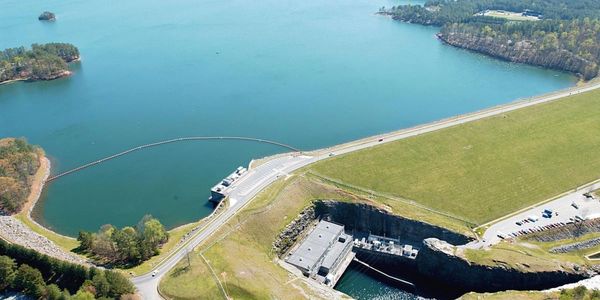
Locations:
{"points": [[178, 271], [239, 292]]}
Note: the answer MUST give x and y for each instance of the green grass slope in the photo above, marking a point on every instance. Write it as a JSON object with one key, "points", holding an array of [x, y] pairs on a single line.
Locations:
{"points": [[485, 169]]}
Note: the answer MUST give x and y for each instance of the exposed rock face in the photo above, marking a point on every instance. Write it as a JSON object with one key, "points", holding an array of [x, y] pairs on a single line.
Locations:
{"points": [[437, 260], [49, 76], [521, 52], [576, 246], [569, 231], [290, 233], [47, 16], [363, 217]]}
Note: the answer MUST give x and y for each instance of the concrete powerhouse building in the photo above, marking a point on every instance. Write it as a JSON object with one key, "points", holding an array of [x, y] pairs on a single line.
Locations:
{"points": [[325, 252]]}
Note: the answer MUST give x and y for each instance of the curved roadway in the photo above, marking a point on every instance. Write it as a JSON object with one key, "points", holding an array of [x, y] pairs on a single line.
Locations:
{"points": [[260, 177]]}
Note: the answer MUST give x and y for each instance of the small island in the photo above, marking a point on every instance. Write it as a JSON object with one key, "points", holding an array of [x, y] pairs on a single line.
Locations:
{"points": [[47, 16], [42, 62]]}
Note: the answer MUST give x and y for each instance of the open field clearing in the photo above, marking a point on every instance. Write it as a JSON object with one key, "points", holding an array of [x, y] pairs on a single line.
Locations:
{"points": [[485, 169], [512, 16]]}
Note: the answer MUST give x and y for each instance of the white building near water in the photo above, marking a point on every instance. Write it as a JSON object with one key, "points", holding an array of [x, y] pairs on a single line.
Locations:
{"points": [[322, 252], [221, 190]]}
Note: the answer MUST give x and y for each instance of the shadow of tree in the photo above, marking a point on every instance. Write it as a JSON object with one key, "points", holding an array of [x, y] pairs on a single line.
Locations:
{"points": [[178, 271]]}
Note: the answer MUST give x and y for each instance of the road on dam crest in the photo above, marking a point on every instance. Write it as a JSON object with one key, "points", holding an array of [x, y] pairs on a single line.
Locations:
{"points": [[262, 176]]}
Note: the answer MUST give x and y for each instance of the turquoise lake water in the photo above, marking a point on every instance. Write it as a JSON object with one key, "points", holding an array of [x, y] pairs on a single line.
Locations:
{"points": [[310, 74], [361, 285], [364, 284]]}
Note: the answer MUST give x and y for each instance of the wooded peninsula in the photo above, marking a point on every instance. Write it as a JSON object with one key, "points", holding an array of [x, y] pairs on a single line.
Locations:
{"points": [[564, 35], [18, 163], [41, 62]]}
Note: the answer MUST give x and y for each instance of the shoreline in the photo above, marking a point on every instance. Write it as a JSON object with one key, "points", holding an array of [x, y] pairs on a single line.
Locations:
{"points": [[36, 192], [15, 230], [443, 39], [515, 104], [63, 74], [38, 185], [12, 81], [439, 36]]}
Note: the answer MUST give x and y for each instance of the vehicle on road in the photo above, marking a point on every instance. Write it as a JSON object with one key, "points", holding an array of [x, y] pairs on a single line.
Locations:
{"points": [[380, 140], [331, 154], [155, 272], [575, 205], [502, 235]]}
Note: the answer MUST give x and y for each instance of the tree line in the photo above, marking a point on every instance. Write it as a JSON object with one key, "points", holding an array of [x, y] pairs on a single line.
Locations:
{"points": [[19, 161], [571, 46], [43, 277], [127, 246], [567, 37], [441, 12], [41, 62]]}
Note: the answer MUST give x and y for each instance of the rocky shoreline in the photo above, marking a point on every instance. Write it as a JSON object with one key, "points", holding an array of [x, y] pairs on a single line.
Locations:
{"points": [[438, 260], [58, 75], [520, 52], [14, 231]]}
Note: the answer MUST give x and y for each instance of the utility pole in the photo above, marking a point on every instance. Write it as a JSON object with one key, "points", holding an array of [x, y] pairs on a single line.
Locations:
{"points": [[188, 258]]}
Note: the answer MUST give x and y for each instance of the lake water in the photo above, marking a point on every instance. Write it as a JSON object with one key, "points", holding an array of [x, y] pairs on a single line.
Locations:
{"points": [[310, 74], [364, 284]]}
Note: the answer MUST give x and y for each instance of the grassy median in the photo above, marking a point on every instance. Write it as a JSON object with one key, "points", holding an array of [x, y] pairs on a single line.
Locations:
{"points": [[485, 169]]}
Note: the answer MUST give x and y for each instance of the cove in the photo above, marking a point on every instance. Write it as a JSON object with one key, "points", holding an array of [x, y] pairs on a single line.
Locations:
{"points": [[309, 74]]}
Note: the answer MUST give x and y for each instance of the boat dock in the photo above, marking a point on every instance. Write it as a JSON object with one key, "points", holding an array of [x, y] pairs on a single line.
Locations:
{"points": [[222, 189]]}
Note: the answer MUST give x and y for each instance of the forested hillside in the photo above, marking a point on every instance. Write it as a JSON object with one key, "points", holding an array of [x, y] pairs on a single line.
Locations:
{"points": [[566, 38], [43, 277], [42, 62], [19, 161]]}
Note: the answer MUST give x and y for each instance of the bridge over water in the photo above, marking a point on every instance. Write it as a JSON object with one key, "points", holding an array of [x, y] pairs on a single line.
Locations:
{"points": [[170, 141]]}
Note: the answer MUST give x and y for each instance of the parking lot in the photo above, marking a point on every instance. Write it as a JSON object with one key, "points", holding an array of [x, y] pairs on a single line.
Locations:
{"points": [[573, 207]]}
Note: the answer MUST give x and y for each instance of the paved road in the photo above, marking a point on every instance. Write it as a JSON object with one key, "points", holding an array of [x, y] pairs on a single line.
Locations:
{"points": [[243, 190], [260, 177], [586, 208]]}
